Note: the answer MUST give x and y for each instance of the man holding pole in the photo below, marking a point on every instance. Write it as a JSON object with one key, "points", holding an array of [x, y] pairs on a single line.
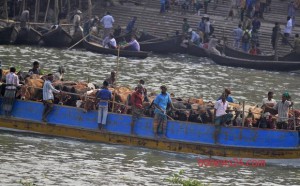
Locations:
{"points": [[160, 118]]}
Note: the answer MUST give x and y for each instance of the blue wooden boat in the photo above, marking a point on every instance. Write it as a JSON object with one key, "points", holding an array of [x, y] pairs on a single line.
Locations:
{"points": [[182, 137]]}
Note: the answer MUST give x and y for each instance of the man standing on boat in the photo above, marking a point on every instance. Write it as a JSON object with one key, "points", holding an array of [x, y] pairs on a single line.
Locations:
{"points": [[48, 96], [76, 21], [237, 36], [103, 95], [136, 101], [24, 18], [107, 22], [283, 111], [160, 118], [220, 114], [130, 25], [12, 82]]}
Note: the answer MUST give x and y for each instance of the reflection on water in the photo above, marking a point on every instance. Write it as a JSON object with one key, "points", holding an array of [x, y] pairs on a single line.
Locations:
{"points": [[51, 161], [57, 161], [185, 75]]}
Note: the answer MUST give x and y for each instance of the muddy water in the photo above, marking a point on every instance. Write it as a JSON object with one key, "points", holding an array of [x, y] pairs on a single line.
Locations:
{"points": [[56, 161]]}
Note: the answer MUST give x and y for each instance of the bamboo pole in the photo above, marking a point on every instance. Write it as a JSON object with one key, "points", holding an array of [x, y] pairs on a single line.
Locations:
{"points": [[243, 120], [35, 10], [5, 8], [48, 4], [79, 5], [114, 98], [90, 8], [56, 10], [24, 5]]}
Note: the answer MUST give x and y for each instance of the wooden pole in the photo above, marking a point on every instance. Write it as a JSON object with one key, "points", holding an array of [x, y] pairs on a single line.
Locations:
{"points": [[35, 11], [48, 4], [276, 44], [90, 8], [79, 5], [114, 98], [78, 41], [5, 9], [56, 10], [24, 5], [243, 120]]}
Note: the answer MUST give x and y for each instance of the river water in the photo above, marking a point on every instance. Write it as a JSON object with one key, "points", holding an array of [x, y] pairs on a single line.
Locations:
{"points": [[56, 161]]}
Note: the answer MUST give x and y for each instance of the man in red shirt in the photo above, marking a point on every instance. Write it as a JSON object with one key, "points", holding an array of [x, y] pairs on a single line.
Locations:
{"points": [[136, 101]]}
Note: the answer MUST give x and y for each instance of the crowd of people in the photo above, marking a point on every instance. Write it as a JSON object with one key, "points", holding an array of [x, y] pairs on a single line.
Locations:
{"points": [[274, 115]]}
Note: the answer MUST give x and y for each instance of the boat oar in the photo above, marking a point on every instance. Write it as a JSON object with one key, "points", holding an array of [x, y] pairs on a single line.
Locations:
{"points": [[78, 42]]}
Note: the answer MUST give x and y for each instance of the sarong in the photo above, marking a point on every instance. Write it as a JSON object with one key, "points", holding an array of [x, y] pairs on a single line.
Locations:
{"points": [[8, 101]]}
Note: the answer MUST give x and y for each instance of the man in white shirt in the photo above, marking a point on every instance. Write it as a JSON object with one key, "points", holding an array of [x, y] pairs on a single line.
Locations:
{"points": [[48, 96], [283, 111], [288, 29], [76, 20], [107, 22], [12, 82], [220, 114], [110, 42]]}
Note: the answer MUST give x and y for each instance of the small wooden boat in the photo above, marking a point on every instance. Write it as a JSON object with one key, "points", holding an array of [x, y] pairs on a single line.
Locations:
{"points": [[28, 36], [197, 51], [293, 56], [163, 46], [57, 37], [8, 35], [182, 136], [94, 47], [256, 64], [231, 52]]}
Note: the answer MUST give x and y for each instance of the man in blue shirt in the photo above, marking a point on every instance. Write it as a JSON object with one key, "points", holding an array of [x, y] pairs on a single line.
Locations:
{"points": [[160, 119], [130, 25], [103, 96]]}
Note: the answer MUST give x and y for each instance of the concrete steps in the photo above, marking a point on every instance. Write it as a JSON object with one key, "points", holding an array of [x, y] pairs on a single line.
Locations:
{"points": [[154, 23]]}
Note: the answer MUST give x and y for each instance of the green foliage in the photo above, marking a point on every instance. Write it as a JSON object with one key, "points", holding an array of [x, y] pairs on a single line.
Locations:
{"points": [[177, 178], [27, 183]]}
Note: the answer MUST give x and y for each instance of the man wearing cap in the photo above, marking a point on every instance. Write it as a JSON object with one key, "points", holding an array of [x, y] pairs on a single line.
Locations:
{"points": [[48, 96], [103, 96], [76, 21], [136, 101], [35, 69], [160, 118], [283, 111], [107, 22]]}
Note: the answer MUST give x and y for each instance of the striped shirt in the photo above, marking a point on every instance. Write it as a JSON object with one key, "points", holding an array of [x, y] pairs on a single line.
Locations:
{"points": [[48, 90], [283, 110], [12, 80]]}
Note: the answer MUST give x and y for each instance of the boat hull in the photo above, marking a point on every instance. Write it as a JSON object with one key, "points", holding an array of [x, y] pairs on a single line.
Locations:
{"points": [[197, 51], [94, 47], [228, 51], [28, 37], [256, 64], [57, 37], [181, 136], [169, 45], [8, 35]]}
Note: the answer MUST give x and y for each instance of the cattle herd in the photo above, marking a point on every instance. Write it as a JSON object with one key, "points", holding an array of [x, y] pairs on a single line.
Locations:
{"points": [[83, 95]]}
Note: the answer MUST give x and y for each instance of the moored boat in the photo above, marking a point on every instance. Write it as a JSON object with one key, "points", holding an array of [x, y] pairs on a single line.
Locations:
{"points": [[94, 47], [57, 37], [167, 45], [231, 52], [197, 51], [293, 56], [140, 36], [8, 34], [182, 137], [28, 36], [256, 64]]}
